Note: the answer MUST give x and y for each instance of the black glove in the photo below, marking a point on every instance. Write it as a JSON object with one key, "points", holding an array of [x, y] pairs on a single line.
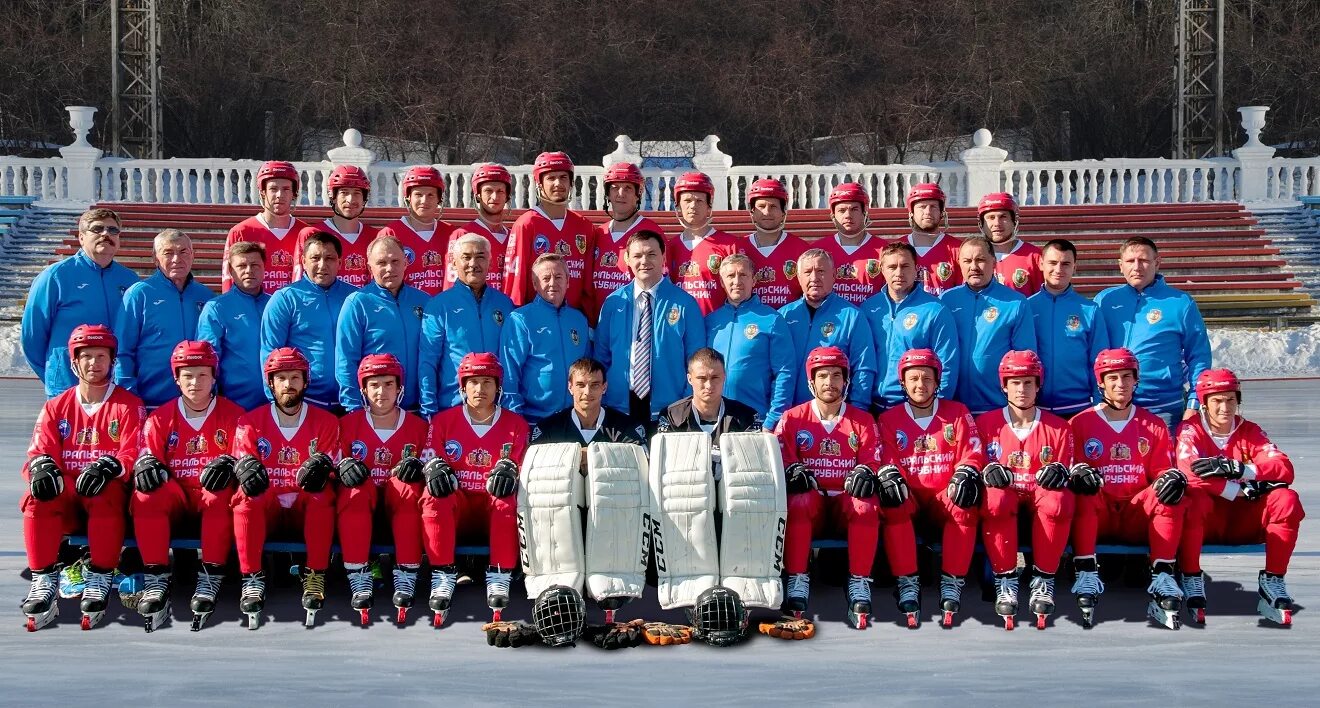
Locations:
{"points": [[218, 475], [44, 478], [251, 476], [315, 472], [97, 475], [1170, 486], [408, 470], [1052, 476], [502, 480], [861, 482], [1084, 479], [893, 488], [149, 473], [996, 475], [1212, 467], [353, 473], [617, 635], [966, 487], [440, 478], [800, 479], [510, 634], [1254, 490]]}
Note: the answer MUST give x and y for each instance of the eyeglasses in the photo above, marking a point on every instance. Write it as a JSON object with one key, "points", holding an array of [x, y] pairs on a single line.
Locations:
{"points": [[103, 229]]}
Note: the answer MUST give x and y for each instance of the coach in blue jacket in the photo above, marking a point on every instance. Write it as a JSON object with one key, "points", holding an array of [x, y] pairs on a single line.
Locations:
{"points": [[820, 318], [384, 317], [755, 344], [158, 313], [1161, 325], [905, 316], [540, 341], [304, 313], [232, 324], [646, 370], [1069, 334], [85, 288]]}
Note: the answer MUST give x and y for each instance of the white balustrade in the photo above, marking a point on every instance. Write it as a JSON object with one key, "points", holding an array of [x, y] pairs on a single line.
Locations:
{"points": [[1121, 181], [43, 178], [1290, 178]]}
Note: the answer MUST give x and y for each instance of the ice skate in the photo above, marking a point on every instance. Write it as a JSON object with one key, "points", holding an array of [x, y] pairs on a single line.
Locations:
{"points": [[362, 585], [405, 588], [154, 604], [40, 605], [796, 595], [950, 597], [497, 590], [859, 601], [252, 599], [95, 597], [1166, 598], [907, 595], [203, 599], [1275, 604], [1193, 587], [443, 581], [1042, 598], [1006, 598], [313, 597], [1087, 588]]}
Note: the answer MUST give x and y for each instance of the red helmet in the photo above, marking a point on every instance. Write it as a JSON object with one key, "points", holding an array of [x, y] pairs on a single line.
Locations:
{"points": [[1115, 360], [1212, 381], [849, 192], [92, 335], [548, 162], [625, 172], [479, 364], [421, 176], [997, 201], [767, 189], [378, 365], [1020, 363], [347, 176], [925, 190], [285, 359], [276, 169], [919, 357], [821, 357], [694, 182], [193, 353], [491, 172]]}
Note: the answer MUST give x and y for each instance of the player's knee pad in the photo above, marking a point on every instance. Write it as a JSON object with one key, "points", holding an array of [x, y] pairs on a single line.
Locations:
{"points": [[618, 520], [999, 503], [549, 523], [1056, 505], [683, 517], [861, 512], [755, 509]]}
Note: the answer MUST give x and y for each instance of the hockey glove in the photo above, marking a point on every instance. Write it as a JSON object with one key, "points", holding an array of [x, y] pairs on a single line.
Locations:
{"points": [[352, 473], [45, 480], [789, 628], [408, 470], [510, 634], [315, 472], [251, 476], [1254, 490], [861, 482], [996, 475], [618, 635], [1218, 467], [97, 475], [665, 634], [502, 481], [1052, 476], [1085, 480], [800, 479], [966, 487], [440, 478], [149, 473], [1170, 487], [218, 475], [893, 488]]}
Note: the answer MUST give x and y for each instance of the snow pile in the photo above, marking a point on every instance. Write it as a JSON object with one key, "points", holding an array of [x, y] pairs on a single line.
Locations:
{"points": [[1262, 353], [12, 362]]}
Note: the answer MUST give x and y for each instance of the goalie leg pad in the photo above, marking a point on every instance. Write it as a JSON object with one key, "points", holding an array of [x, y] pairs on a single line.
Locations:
{"points": [[618, 499], [549, 523], [754, 502], [683, 517]]}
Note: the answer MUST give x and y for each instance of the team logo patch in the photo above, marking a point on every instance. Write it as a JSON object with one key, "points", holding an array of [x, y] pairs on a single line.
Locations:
{"points": [[196, 445], [827, 329], [540, 244], [924, 443], [847, 271], [419, 311], [355, 261], [1121, 452], [573, 337], [222, 440], [506, 451], [948, 432], [383, 457], [453, 450], [281, 258], [1143, 447], [498, 317], [1020, 277], [87, 436], [992, 450], [64, 428], [581, 242], [358, 450], [1073, 324], [609, 260], [765, 275], [1046, 454], [1019, 460], [804, 440], [872, 268], [1154, 316], [713, 263], [991, 313], [172, 440], [563, 249], [479, 458], [113, 429], [674, 314], [410, 450], [944, 271], [854, 442], [409, 255], [1093, 449], [901, 439], [289, 456], [790, 269], [829, 447], [263, 448], [432, 259], [751, 330], [688, 270], [910, 321]]}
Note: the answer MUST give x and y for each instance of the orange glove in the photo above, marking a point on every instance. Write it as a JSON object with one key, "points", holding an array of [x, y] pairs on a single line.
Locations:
{"points": [[664, 634], [789, 628]]}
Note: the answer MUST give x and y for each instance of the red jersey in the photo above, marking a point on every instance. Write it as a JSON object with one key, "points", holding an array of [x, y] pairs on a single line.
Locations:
{"points": [[353, 261], [1130, 457], [281, 454], [856, 268], [534, 234], [929, 454], [471, 455], [281, 251], [359, 440], [776, 268], [697, 269], [1024, 452], [1247, 443], [1019, 269], [937, 267], [74, 437], [609, 266], [425, 253], [832, 451], [497, 242], [188, 446]]}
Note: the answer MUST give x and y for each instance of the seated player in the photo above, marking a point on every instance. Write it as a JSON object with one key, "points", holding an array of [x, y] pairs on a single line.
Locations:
{"points": [[707, 410], [588, 420]]}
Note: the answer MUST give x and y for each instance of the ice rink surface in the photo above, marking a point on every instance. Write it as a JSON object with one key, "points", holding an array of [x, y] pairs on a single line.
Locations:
{"points": [[1235, 659]]}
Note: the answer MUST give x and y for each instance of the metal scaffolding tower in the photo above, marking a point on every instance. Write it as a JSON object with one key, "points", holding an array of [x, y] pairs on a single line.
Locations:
{"points": [[1198, 126], [135, 79]]}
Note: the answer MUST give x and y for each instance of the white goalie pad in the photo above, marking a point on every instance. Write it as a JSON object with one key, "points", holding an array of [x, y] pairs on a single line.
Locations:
{"points": [[754, 504], [683, 517], [618, 506], [549, 522]]}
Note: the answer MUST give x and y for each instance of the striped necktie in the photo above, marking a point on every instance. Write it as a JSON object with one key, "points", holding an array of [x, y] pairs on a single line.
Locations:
{"points": [[641, 348]]}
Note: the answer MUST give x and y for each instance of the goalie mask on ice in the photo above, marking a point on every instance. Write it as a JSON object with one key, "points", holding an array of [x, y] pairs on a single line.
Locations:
{"points": [[559, 615], [719, 617]]}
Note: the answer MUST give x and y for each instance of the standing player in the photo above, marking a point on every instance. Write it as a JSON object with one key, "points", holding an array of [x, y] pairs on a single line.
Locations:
{"points": [[773, 250], [937, 251], [89, 433], [472, 484], [551, 227], [380, 455], [1142, 493], [287, 455], [347, 190], [1245, 481], [1028, 455], [491, 187], [185, 469], [624, 185], [822, 318], [542, 339], [855, 252], [231, 323], [1069, 334], [696, 252], [277, 190], [1017, 263], [755, 343], [420, 232], [939, 452]]}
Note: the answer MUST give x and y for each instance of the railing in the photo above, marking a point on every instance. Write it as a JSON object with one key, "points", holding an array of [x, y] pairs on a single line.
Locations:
{"points": [[1121, 181], [809, 185], [43, 178], [1289, 179]]}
